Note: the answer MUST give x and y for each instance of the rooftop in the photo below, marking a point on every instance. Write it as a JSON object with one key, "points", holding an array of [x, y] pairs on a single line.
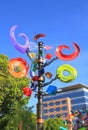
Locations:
{"points": [[72, 87]]}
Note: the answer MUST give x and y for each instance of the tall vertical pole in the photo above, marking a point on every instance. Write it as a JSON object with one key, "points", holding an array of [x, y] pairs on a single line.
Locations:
{"points": [[40, 121]]}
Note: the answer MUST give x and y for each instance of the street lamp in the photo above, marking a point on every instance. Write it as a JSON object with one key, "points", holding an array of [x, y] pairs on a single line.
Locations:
{"points": [[40, 68], [40, 95]]}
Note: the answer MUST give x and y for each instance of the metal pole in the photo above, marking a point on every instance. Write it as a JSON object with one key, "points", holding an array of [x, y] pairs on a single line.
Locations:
{"points": [[40, 121]]}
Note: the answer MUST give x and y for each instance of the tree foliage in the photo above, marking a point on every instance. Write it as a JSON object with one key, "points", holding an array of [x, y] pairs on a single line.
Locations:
{"points": [[53, 124], [11, 94], [28, 119], [24, 119]]}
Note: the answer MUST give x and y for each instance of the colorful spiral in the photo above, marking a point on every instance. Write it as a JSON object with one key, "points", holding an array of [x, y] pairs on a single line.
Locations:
{"points": [[18, 67]]}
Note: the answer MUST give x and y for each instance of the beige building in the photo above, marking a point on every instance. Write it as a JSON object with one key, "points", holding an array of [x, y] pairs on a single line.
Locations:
{"points": [[59, 107]]}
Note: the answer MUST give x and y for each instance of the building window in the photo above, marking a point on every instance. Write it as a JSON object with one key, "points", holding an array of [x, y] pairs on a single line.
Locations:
{"points": [[64, 114], [57, 115], [51, 116], [86, 106], [77, 107], [51, 110], [63, 101], [86, 99], [57, 103], [83, 107], [64, 108], [57, 109], [45, 105], [51, 104], [45, 111], [78, 100], [47, 99], [86, 93], [45, 117]]}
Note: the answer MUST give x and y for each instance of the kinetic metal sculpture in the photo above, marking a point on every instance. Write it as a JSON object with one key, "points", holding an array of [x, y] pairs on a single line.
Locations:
{"points": [[18, 67]]}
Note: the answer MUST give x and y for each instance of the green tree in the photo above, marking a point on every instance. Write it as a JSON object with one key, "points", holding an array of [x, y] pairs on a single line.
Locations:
{"points": [[60, 122], [11, 94], [28, 119], [24, 117], [53, 124]]}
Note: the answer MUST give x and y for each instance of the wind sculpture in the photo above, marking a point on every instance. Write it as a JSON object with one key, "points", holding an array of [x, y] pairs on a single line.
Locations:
{"points": [[18, 67]]}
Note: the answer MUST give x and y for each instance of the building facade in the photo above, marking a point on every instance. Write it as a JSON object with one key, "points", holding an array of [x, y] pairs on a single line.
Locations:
{"points": [[57, 108], [73, 98]]}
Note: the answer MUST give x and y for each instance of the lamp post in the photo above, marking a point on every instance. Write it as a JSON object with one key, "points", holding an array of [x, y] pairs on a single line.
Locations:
{"points": [[40, 93], [40, 96]]}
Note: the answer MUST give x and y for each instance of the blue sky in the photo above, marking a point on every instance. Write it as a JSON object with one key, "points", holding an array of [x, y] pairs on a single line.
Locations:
{"points": [[63, 22]]}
